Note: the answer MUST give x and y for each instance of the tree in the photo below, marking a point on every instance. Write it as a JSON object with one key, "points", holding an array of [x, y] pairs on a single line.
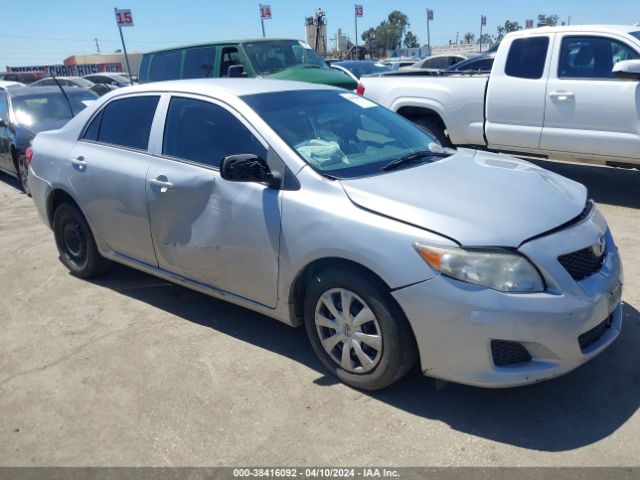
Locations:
{"points": [[388, 34], [400, 22], [508, 27], [469, 37], [549, 20], [485, 40], [410, 40]]}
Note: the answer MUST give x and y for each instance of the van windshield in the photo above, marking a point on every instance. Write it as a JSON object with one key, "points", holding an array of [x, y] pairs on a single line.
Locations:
{"points": [[275, 55]]}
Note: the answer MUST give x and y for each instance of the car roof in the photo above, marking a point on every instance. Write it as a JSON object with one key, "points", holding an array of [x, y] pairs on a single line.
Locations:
{"points": [[355, 62], [580, 28], [10, 83], [26, 91], [234, 86], [221, 42]]}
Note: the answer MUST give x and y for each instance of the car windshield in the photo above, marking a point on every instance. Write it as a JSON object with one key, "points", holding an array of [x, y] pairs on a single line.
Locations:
{"points": [[364, 68], [636, 34], [49, 107], [340, 134], [274, 55]]}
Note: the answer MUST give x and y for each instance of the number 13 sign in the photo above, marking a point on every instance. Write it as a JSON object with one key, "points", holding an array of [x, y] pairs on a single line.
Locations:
{"points": [[124, 18]]}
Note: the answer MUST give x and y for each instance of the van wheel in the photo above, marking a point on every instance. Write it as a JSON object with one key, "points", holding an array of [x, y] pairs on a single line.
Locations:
{"points": [[357, 330], [432, 127], [75, 242]]}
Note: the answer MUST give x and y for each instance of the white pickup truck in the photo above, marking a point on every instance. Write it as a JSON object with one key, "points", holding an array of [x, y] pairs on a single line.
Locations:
{"points": [[568, 92]]}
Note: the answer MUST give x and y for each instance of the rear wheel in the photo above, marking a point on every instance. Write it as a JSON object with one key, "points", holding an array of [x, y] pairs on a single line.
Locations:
{"points": [[75, 242], [357, 330], [433, 127]]}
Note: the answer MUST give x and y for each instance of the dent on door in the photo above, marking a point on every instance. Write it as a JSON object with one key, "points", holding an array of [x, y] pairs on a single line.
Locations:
{"points": [[219, 233]]}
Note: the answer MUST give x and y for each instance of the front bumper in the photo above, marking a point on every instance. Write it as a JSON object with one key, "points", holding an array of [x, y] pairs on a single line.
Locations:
{"points": [[455, 322]]}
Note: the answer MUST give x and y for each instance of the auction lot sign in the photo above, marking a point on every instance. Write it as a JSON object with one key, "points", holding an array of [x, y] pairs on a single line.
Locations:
{"points": [[69, 70]]}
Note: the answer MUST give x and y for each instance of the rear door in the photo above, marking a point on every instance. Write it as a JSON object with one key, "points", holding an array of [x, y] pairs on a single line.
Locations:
{"points": [[588, 110], [516, 94], [219, 233], [5, 134], [107, 169]]}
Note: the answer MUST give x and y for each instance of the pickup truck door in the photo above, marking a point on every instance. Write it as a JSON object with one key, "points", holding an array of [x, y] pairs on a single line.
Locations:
{"points": [[516, 93], [588, 110]]}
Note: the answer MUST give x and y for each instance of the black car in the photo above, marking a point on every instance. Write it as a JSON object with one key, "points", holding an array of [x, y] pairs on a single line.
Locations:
{"points": [[26, 111], [111, 79]]}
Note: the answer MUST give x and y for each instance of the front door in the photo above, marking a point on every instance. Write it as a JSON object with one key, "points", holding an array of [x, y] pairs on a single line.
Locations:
{"points": [[219, 233], [107, 169], [588, 110]]}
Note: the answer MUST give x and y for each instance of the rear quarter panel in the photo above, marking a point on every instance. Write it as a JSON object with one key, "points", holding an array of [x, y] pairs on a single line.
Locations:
{"points": [[459, 100]]}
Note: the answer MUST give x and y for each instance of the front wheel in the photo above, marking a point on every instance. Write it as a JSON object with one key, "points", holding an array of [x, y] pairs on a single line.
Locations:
{"points": [[357, 330], [75, 242]]}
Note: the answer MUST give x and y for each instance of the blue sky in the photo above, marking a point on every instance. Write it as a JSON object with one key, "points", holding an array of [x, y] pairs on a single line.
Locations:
{"points": [[46, 31]]}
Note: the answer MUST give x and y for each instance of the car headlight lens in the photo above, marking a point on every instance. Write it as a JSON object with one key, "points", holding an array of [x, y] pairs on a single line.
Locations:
{"points": [[497, 269]]}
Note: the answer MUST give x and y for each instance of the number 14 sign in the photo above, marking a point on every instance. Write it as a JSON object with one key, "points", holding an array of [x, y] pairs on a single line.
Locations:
{"points": [[124, 18]]}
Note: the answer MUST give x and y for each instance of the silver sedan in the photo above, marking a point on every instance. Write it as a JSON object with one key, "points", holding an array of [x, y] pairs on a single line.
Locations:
{"points": [[315, 206]]}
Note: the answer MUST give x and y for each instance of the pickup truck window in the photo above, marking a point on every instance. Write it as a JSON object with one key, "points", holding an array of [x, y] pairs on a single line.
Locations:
{"points": [[592, 57], [527, 57]]}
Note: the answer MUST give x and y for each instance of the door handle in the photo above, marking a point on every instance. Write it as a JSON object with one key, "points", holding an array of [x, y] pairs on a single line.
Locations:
{"points": [[79, 162], [163, 184], [562, 96]]}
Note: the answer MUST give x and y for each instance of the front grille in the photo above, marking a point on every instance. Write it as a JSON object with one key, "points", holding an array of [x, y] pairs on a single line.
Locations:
{"points": [[508, 353], [581, 264], [592, 336]]}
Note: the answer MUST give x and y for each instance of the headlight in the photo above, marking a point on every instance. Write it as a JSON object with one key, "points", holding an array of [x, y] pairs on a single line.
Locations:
{"points": [[497, 269]]}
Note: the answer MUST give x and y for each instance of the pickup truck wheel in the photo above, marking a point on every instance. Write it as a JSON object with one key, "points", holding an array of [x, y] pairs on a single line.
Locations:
{"points": [[357, 330], [434, 129], [75, 242]]}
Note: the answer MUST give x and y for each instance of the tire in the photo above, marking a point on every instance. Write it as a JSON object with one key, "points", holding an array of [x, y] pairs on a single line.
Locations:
{"points": [[434, 129], [390, 345], [75, 242], [22, 169]]}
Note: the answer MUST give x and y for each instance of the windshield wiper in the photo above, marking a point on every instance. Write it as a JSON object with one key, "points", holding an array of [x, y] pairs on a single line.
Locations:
{"points": [[411, 157]]}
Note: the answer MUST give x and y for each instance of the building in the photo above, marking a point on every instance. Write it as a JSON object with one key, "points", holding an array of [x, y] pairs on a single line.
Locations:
{"points": [[342, 41], [316, 32], [135, 58]]}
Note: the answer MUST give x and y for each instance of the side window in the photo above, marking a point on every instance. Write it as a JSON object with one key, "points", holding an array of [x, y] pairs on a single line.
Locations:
{"points": [[93, 130], [198, 62], [527, 57], [165, 66], [230, 56], [4, 107], [126, 122], [205, 133], [592, 57], [143, 74]]}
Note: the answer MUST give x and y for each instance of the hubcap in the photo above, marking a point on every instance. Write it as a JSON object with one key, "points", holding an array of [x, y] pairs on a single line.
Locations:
{"points": [[74, 241], [348, 330]]}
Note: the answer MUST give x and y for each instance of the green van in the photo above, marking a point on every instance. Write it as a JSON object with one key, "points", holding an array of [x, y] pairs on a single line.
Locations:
{"points": [[281, 59]]}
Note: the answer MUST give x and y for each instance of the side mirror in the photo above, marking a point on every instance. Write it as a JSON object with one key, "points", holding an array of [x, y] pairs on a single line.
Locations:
{"points": [[237, 71], [247, 168], [3, 124], [629, 69]]}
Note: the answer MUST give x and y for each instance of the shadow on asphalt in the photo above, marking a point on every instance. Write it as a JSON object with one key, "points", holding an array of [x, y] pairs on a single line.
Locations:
{"points": [[614, 186], [569, 412]]}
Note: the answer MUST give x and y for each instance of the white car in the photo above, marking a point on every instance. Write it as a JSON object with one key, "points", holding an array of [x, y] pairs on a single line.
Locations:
{"points": [[566, 92], [6, 84]]}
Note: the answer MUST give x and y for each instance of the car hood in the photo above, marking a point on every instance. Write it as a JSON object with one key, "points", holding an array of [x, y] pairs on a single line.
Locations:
{"points": [[326, 76], [475, 198]]}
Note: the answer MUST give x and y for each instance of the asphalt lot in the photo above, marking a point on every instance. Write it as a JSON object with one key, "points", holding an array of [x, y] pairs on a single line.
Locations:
{"points": [[129, 370]]}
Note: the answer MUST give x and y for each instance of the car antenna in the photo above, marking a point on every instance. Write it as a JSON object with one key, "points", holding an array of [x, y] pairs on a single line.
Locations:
{"points": [[65, 95]]}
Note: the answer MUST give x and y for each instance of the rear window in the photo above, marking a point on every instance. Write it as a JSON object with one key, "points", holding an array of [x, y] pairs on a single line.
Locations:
{"points": [[125, 122], [198, 62], [143, 74], [527, 57], [165, 66]]}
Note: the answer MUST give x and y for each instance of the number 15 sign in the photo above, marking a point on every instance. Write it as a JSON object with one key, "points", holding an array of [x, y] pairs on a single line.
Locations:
{"points": [[124, 18]]}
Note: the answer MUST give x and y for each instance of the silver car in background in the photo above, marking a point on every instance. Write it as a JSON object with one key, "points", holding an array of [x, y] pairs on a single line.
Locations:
{"points": [[315, 206]]}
